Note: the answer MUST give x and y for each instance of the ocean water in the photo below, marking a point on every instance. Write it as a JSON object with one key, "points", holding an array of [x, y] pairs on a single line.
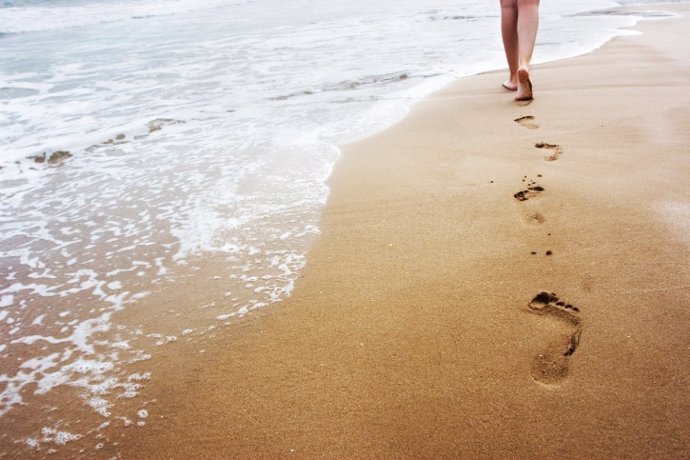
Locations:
{"points": [[139, 139]]}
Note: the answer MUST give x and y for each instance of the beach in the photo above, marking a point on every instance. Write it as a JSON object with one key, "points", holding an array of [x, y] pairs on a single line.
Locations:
{"points": [[481, 288], [489, 280]]}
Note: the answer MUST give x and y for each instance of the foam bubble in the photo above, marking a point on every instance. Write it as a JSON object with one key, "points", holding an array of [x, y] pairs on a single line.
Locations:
{"points": [[52, 435], [38, 320], [101, 406], [32, 442]]}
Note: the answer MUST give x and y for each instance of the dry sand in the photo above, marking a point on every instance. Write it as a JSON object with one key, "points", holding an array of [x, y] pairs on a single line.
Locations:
{"points": [[412, 333]]}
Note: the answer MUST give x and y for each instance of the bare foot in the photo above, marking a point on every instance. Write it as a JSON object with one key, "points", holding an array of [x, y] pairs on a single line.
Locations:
{"points": [[524, 87], [510, 85]]}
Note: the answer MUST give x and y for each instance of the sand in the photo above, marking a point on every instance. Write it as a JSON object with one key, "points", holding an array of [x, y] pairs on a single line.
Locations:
{"points": [[472, 295]]}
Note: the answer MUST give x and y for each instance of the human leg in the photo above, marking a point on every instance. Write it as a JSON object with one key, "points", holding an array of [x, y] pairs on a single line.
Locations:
{"points": [[509, 32], [527, 25]]}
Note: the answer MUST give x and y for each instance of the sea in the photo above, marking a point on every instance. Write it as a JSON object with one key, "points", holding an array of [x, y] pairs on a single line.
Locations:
{"points": [[140, 139]]}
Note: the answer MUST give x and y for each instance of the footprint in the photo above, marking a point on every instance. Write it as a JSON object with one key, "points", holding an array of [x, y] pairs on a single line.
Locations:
{"points": [[551, 366], [527, 122], [532, 191], [556, 150], [528, 210], [534, 218]]}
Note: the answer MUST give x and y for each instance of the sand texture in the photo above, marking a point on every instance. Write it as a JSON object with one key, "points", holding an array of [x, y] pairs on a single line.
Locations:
{"points": [[492, 281]]}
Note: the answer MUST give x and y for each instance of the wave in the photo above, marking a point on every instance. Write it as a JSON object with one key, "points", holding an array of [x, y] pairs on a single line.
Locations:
{"points": [[22, 18]]}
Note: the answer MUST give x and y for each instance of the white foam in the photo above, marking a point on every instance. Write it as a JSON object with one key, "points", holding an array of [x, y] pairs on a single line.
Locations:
{"points": [[6, 300], [165, 340], [32, 442], [138, 377], [51, 17], [101, 406], [52, 435], [115, 285], [38, 320], [80, 336]]}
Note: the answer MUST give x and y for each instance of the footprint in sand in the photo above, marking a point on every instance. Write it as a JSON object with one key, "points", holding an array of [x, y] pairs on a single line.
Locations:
{"points": [[533, 190], [555, 149], [551, 365], [527, 122]]}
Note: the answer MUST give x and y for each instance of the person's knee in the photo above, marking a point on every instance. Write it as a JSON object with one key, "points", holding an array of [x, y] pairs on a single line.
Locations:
{"points": [[508, 4]]}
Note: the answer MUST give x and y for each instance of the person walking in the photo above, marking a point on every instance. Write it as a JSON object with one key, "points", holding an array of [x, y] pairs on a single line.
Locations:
{"points": [[519, 23]]}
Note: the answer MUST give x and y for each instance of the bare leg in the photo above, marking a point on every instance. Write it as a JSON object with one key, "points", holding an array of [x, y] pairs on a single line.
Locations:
{"points": [[509, 32], [527, 24]]}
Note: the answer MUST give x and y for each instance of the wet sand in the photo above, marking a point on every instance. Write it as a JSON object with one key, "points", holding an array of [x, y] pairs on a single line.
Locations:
{"points": [[483, 287]]}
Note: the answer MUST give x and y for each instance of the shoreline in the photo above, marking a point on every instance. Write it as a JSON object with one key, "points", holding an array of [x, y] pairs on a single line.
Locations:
{"points": [[417, 328]]}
